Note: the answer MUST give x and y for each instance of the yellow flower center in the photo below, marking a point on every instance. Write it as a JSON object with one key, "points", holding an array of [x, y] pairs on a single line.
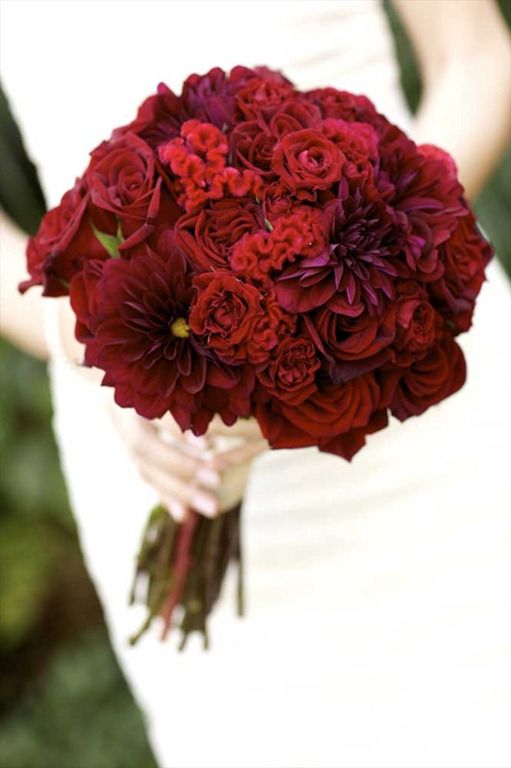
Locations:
{"points": [[180, 328]]}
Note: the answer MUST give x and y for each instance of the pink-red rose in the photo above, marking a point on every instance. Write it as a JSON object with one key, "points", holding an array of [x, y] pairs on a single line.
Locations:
{"points": [[290, 374], [225, 315]]}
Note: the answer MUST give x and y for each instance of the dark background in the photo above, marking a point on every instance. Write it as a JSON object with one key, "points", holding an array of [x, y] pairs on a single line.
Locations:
{"points": [[63, 700]]}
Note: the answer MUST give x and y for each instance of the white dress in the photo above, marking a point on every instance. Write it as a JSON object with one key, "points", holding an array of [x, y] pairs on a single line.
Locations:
{"points": [[378, 593]]}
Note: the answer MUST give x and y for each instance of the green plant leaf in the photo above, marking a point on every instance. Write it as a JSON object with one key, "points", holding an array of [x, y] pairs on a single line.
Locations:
{"points": [[110, 243]]}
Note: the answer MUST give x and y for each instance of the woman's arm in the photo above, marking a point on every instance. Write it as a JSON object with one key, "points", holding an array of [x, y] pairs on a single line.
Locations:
{"points": [[21, 317], [464, 52]]}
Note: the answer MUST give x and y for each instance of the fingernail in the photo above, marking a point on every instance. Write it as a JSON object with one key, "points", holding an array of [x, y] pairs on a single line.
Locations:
{"points": [[200, 442], [208, 476], [177, 510], [205, 504]]}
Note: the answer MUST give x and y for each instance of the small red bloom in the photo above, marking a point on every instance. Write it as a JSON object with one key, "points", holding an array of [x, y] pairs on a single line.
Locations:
{"points": [[306, 161], [261, 97], [418, 325], [225, 314], [290, 374], [198, 159]]}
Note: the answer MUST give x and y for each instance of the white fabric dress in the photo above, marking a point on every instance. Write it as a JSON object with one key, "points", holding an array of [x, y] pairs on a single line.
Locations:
{"points": [[378, 592]]}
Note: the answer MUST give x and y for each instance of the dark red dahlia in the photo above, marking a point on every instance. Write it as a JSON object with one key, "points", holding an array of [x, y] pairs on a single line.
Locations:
{"points": [[142, 338], [357, 268], [143, 342], [427, 197]]}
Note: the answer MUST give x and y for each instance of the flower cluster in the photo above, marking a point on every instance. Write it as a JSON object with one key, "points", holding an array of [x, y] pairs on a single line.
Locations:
{"points": [[247, 248]]}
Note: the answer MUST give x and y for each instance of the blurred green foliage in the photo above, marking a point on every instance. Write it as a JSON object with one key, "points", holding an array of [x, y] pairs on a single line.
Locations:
{"points": [[23, 201], [79, 717], [63, 700]]}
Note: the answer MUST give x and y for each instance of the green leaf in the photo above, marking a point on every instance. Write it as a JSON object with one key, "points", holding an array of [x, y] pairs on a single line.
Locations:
{"points": [[110, 243]]}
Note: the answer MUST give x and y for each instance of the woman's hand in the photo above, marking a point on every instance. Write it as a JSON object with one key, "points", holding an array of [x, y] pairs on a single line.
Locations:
{"points": [[207, 473], [232, 451]]}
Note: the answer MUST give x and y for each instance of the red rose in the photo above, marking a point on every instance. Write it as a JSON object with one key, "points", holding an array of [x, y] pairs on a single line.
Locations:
{"points": [[225, 313], [253, 141], [294, 115], [357, 141], [290, 374], [348, 106], [330, 411], [65, 239], [417, 324], [207, 236], [465, 256], [306, 161], [122, 179], [429, 380], [262, 97], [252, 146], [353, 345]]}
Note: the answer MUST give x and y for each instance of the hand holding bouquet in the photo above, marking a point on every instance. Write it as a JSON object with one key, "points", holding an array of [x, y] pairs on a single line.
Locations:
{"points": [[249, 249]]}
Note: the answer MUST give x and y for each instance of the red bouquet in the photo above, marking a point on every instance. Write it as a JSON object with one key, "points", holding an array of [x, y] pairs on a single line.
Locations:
{"points": [[249, 249]]}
